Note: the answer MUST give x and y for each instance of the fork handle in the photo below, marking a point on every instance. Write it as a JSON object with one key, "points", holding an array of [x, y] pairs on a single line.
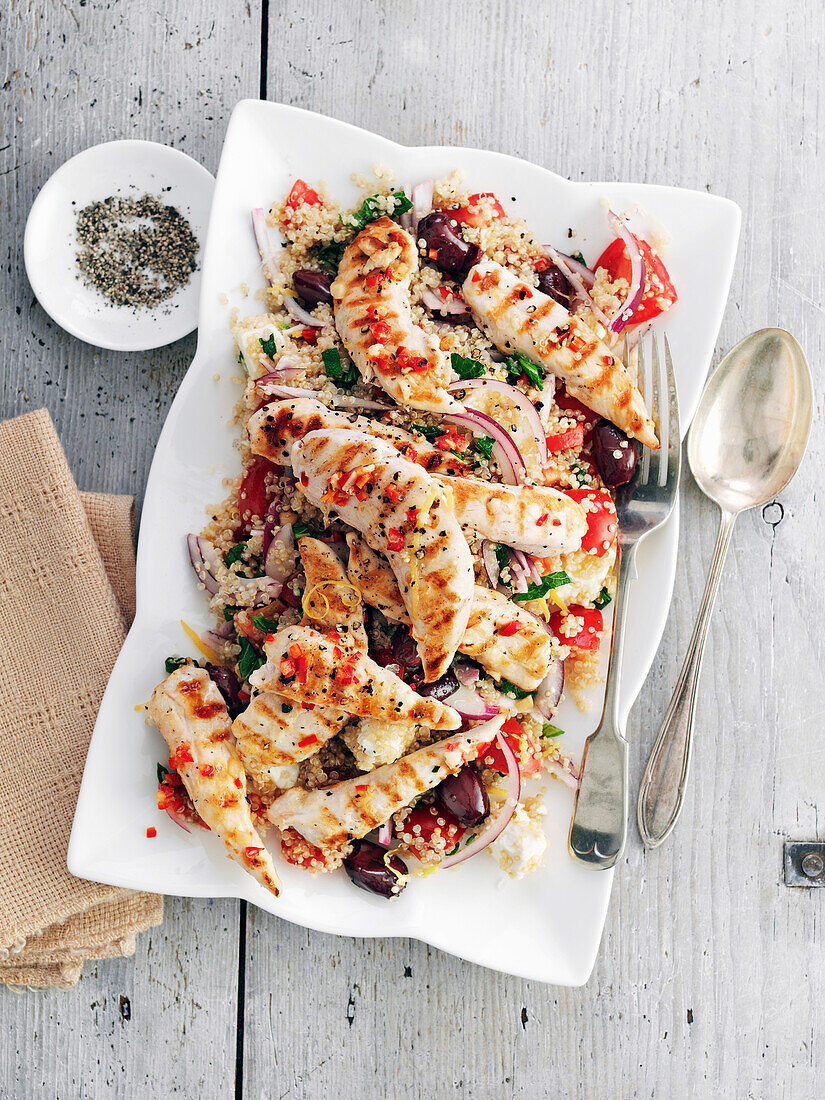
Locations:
{"points": [[599, 826], [663, 786]]}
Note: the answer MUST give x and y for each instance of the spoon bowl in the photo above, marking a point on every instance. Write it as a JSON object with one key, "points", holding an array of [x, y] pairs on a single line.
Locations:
{"points": [[753, 421]]}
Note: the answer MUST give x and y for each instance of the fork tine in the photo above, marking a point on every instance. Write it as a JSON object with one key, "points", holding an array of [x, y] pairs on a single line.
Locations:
{"points": [[659, 411], [646, 389], [674, 433]]}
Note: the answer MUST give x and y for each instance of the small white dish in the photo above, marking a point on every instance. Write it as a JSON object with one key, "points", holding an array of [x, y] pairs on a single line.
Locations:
{"points": [[128, 169], [546, 926]]}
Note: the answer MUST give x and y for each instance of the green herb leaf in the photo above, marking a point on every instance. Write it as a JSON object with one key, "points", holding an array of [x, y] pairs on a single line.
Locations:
{"points": [[235, 554], [502, 556], [603, 599], [229, 613], [300, 530], [240, 357], [466, 368], [549, 730], [578, 256], [484, 445], [284, 325], [268, 626], [429, 431], [536, 591], [268, 345], [329, 255], [162, 773], [519, 364], [452, 851], [469, 839], [511, 689], [175, 662], [249, 659], [344, 374], [370, 209]]}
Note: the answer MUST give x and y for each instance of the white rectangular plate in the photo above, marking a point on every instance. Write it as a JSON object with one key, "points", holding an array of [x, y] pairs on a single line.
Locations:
{"points": [[548, 925]]}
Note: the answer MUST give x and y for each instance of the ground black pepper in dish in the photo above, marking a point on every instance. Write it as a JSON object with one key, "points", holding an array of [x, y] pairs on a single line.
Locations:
{"points": [[136, 252]]}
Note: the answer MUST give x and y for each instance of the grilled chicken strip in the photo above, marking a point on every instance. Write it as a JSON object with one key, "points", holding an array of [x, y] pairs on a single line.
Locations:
{"points": [[522, 656], [330, 670], [371, 301], [274, 734], [406, 515], [329, 816], [330, 598], [533, 518], [191, 714], [517, 317], [275, 427]]}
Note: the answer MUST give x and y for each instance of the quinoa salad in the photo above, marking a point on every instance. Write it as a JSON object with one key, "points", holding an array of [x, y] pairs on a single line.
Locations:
{"points": [[412, 569]]}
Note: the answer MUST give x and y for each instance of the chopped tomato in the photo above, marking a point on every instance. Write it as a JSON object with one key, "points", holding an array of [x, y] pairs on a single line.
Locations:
{"points": [[566, 441], [525, 752], [587, 634], [659, 293], [429, 830], [481, 208], [302, 193], [310, 335], [253, 498], [295, 849], [601, 519]]}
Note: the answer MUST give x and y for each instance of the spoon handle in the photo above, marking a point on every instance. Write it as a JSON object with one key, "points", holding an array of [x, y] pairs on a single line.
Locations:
{"points": [[664, 782]]}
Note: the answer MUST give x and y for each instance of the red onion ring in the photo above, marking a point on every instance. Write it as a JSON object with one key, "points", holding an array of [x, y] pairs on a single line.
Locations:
{"points": [[270, 265], [548, 694], [637, 275], [272, 520], [508, 456], [204, 559], [519, 399], [587, 276], [564, 771], [405, 221], [495, 824], [177, 820], [279, 567], [488, 556], [384, 835], [466, 674], [300, 314], [561, 263], [471, 705]]}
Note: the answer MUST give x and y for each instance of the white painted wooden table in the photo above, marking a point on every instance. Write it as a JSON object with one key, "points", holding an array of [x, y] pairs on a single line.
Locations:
{"points": [[711, 974]]}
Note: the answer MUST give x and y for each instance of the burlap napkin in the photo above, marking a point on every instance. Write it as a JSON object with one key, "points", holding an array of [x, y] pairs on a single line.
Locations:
{"points": [[67, 592]]}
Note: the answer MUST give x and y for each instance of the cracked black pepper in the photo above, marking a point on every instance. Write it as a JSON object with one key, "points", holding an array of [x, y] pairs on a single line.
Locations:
{"points": [[135, 252]]}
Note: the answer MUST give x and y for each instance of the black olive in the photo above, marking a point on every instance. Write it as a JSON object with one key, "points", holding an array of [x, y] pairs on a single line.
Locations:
{"points": [[367, 866]]}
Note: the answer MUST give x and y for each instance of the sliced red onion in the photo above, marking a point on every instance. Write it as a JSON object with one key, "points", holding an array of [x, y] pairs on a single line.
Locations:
{"points": [[563, 264], [280, 557], [344, 401], [405, 221], [454, 305], [422, 203], [212, 640], [267, 250], [287, 367], [224, 629], [521, 400], [272, 521], [507, 454], [384, 834], [637, 275], [548, 694], [587, 276], [518, 578], [563, 769], [488, 556], [534, 573], [205, 559], [177, 819], [300, 314], [467, 675], [470, 704], [495, 823]]}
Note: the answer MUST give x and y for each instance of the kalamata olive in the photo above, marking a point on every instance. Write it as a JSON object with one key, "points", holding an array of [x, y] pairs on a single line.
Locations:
{"points": [[229, 686], [367, 867], [313, 286], [440, 689], [614, 454], [445, 246], [464, 796], [552, 281]]}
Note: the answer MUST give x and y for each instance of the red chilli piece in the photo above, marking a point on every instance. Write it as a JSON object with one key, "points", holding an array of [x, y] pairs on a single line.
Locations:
{"points": [[151, 831], [509, 629], [395, 540]]}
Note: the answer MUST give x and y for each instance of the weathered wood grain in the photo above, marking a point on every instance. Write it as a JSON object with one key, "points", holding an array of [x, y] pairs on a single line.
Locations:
{"points": [[709, 975], [74, 74], [707, 983]]}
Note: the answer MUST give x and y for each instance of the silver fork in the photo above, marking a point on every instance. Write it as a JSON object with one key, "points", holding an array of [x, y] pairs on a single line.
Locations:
{"points": [[599, 825]]}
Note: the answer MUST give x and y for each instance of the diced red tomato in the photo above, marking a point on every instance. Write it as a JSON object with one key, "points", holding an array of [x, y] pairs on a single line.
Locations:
{"points": [[491, 209], [601, 519], [302, 193], [310, 335], [587, 637], [253, 498], [525, 752], [429, 830], [566, 441], [659, 293], [295, 849]]}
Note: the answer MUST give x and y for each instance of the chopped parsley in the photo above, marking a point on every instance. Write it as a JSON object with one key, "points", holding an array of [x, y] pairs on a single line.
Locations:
{"points": [[343, 374], [453, 851], [466, 368], [249, 659], [429, 431], [162, 773], [175, 662], [268, 626], [370, 209], [578, 256], [484, 444], [603, 599], [240, 357], [301, 530], [329, 255], [502, 556], [229, 613], [511, 689], [549, 730], [268, 345], [235, 554], [284, 325], [537, 591], [517, 365]]}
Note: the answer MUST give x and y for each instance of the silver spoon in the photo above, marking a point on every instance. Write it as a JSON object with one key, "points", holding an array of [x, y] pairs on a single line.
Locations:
{"points": [[746, 443]]}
